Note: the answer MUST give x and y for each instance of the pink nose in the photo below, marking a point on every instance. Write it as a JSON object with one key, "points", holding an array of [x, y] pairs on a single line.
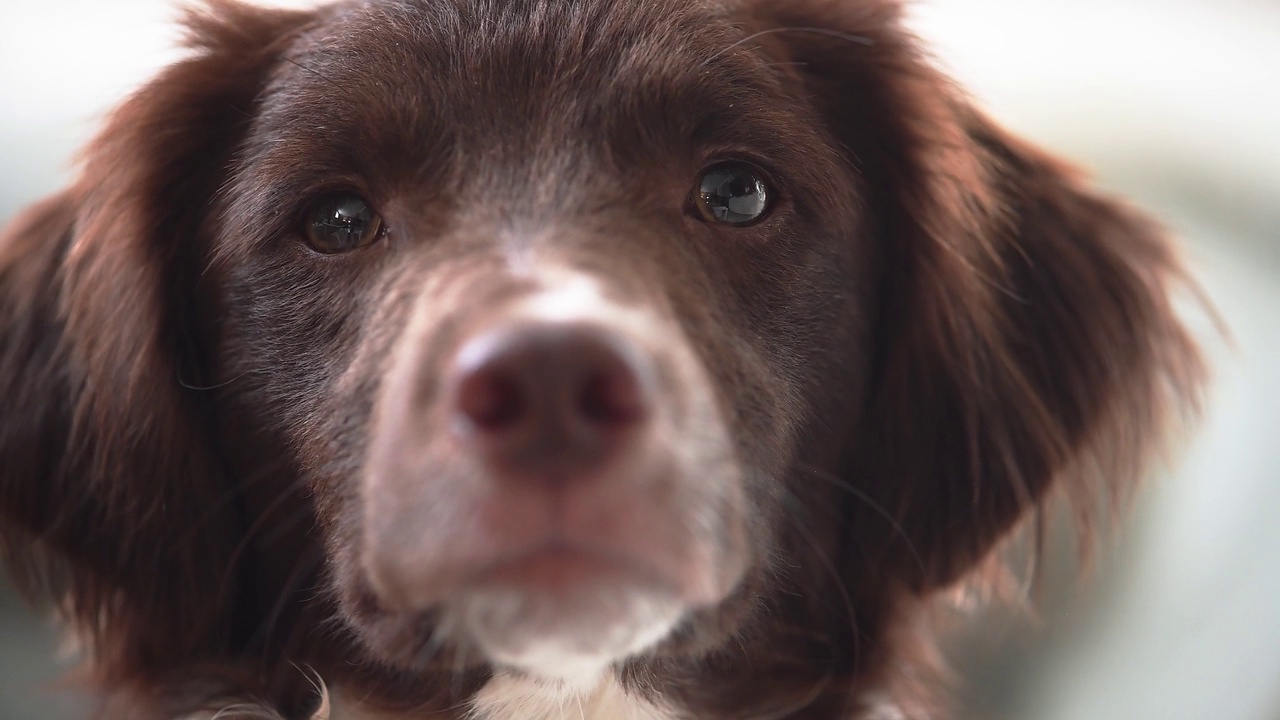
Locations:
{"points": [[548, 399]]}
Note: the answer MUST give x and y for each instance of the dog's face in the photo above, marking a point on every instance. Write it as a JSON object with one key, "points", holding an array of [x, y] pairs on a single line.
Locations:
{"points": [[696, 341], [551, 323]]}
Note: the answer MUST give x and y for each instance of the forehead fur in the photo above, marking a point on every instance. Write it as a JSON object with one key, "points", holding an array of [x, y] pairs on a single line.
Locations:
{"points": [[538, 106], [425, 83]]}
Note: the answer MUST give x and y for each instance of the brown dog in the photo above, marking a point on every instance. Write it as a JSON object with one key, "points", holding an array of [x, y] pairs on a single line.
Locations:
{"points": [[609, 359]]}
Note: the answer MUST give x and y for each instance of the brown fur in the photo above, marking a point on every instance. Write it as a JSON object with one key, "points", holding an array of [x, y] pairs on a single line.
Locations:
{"points": [[937, 328]]}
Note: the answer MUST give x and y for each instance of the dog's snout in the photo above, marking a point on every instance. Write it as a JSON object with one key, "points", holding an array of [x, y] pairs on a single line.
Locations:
{"points": [[559, 397], [549, 473]]}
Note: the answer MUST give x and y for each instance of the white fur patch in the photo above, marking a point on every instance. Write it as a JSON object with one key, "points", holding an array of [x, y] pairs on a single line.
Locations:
{"points": [[508, 697], [256, 711]]}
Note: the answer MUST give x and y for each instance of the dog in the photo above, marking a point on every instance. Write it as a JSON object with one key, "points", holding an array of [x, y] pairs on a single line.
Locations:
{"points": [[525, 359]]}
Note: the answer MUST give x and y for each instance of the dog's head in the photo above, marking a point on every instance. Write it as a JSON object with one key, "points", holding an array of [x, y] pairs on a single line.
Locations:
{"points": [[631, 334]]}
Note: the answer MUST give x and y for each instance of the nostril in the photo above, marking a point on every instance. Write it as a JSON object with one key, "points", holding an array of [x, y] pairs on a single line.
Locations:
{"points": [[611, 398], [490, 400], [548, 393]]}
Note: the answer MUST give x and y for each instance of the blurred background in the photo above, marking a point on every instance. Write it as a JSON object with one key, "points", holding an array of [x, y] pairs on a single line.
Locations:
{"points": [[1173, 103]]}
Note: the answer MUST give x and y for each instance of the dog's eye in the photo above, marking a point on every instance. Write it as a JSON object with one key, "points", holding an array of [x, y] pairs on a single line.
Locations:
{"points": [[734, 193], [341, 222]]}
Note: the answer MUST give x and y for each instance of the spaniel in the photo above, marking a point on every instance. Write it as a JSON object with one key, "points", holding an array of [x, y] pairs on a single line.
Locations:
{"points": [[532, 359]]}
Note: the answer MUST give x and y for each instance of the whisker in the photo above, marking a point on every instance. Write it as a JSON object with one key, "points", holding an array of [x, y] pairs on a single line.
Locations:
{"points": [[858, 39], [313, 71], [206, 388], [828, 565], [233, 494], [317, 683], [250, 534], [800, 704], [458, 676], [870, 502], [303, 570], [431, 646]]}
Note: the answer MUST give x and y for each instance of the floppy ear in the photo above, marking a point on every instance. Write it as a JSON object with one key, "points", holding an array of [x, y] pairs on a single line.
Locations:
{"points": [[1031, 347], [111, 498], [1026, 341]]}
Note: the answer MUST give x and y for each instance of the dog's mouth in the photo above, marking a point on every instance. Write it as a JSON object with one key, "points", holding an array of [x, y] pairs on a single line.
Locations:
{"points": [[553, 596], [558, 610], [559, 570], [565, 613]]}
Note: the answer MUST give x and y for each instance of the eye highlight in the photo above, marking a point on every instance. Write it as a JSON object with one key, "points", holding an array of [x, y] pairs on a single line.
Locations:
{"points": [[341, 222], [732, 193]]}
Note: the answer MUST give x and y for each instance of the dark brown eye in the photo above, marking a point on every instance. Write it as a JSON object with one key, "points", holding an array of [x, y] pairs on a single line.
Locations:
{"points": [[341, 222], [733, 193]]}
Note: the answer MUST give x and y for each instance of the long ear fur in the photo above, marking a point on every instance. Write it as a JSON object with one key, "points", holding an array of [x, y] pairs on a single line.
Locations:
{"points": [[111, 499], [1027, 341]]}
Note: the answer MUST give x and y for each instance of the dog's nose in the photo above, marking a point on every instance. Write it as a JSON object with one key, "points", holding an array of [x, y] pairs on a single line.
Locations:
{"points": [[550, 399]]}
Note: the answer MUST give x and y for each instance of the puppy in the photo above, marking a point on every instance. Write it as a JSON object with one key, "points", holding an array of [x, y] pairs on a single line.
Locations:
{"points": [[609, 359]]}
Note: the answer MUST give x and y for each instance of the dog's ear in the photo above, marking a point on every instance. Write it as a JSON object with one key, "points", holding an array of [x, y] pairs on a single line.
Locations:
{"points": [[1026, 341], [110, 495], [1032, 349]]}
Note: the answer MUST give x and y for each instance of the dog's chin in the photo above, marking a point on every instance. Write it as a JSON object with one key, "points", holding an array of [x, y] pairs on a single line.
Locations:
{"points": [[571, 639], [562, 617]]}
